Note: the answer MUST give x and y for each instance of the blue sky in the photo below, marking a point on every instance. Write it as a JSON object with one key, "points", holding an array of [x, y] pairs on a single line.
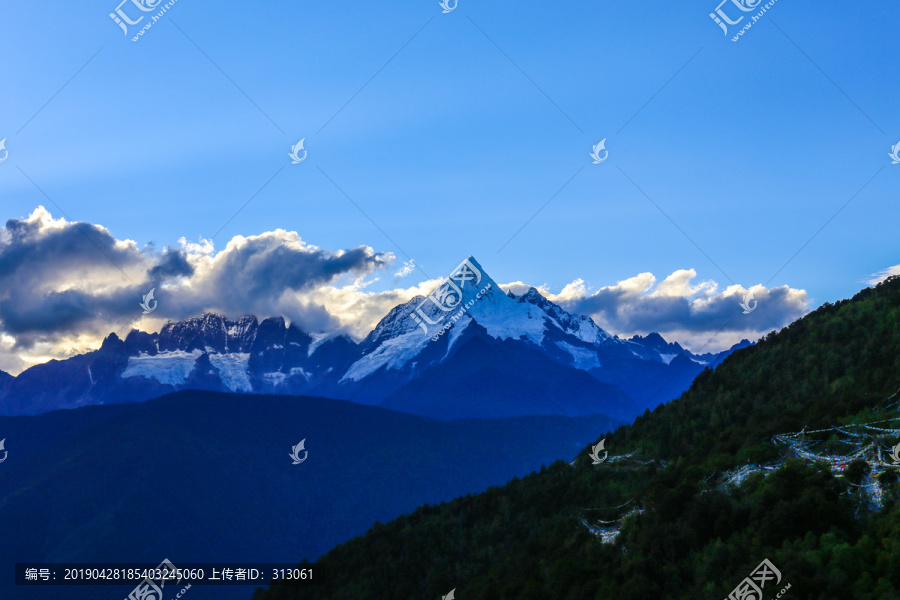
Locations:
{"points": [[452, 144]]}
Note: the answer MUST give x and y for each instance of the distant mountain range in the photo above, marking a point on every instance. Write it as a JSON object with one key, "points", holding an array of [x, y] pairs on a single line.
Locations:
{"points": [[206, 476], [503, 356]]}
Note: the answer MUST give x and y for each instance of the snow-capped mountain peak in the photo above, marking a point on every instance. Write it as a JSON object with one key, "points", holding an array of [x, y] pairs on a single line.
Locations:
{"points": [[409, 328], [580, 326], [469, 295]]}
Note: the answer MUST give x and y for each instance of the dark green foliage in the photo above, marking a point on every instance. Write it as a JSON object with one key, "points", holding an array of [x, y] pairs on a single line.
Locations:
{"points": [[692, 540], [857, 471]]}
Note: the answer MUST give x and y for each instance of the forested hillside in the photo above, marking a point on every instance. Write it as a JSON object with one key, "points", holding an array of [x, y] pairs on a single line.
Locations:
{"points": [[683, 532]]}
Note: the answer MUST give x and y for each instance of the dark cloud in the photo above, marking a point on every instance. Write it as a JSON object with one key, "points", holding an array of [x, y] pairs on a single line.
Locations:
{"points": [[624, 311], [51, 271], [271, 263], [61, 279], [173, 263], [39, 243]]}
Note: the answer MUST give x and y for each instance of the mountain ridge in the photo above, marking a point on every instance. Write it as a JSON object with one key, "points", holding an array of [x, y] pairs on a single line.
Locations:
{"points": [[248, 355]]}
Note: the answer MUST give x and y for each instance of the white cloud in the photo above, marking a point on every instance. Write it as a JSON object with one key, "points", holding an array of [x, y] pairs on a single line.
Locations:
{"points": [[408, 267], [698, 316], [880, 276]]}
